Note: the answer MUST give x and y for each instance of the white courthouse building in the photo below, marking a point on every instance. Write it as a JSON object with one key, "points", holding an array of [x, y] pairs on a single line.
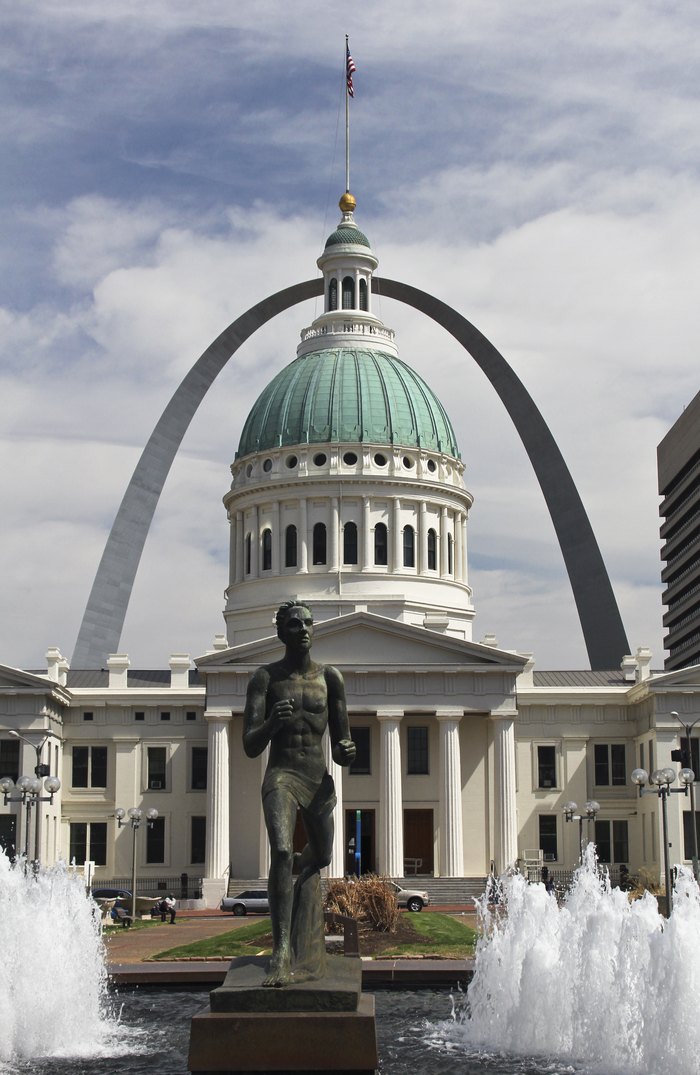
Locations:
{"points": [[348, 493]]}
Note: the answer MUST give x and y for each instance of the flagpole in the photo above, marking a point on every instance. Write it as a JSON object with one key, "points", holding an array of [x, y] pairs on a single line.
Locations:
{"points": [[347, 119]]}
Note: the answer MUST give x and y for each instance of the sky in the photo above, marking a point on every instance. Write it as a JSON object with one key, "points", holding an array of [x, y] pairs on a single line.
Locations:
{"points": [[167, 165]]}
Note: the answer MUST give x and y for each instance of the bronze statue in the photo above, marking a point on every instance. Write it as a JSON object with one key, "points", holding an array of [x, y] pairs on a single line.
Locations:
{"points": [[289, 705]]}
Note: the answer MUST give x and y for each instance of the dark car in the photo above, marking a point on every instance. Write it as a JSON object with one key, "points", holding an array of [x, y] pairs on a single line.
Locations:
{"points": [[253, 901], [111, 894]]}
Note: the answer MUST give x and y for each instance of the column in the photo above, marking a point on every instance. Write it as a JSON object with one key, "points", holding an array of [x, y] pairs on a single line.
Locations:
{"points": [[444, 557], [390, 796], [276, 538], [423, 539], [366, 536], [254, 543], [217, 858], [303, 538], [398, 543], [333, 558], [239, 546], [458, 553], [451, 831], [336, 867], [464, 547], [232, 549], [505, 813]]}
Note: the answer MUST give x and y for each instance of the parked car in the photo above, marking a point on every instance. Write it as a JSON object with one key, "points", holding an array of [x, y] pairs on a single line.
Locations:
{"points": [[253, 901], [111, 894], [412, 898]]}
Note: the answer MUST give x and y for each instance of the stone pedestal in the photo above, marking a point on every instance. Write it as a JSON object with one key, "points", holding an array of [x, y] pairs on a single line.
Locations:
{"points": [[321, 1025]]}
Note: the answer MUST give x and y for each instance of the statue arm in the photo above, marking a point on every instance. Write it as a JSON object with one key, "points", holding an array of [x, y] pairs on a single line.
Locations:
{"points": [[257, 732], [342, 747]]}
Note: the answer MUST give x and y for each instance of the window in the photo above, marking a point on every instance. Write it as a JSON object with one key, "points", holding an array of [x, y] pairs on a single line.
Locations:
{"points": [[350, 543], [432, 550], [651, 756], [611, 841], [609, 765], [361, 765], [190, 714], [165, 715], [139, 715], [9, 758], [409, 547], [319, 543], [87, 715], [290, 546], [363, 295], [267, 550], [198, 838], [548, 836], [450, 554], [417, 751], [333, 295], [641, 755], [546, 767], [248, 543], [156, 768], [155, 840], [381, 545], [691, 757], [199, 769], [688, 832], [89, 767], [88, 842], [348, 293]]}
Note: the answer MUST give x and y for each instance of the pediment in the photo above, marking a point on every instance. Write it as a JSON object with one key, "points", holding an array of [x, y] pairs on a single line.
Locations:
{"points": [[685, 678], [17, 679], [363, 639]]}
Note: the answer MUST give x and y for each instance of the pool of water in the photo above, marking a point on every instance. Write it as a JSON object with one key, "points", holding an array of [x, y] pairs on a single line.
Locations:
{"points": [[416, 1030]]}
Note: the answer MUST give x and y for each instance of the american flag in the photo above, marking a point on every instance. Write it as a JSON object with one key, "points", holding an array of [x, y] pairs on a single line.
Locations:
{"points": [[350, 70]]}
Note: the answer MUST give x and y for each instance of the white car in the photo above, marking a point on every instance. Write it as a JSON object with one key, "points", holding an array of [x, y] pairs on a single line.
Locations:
{"points": [[253, 900], [413, 898]]}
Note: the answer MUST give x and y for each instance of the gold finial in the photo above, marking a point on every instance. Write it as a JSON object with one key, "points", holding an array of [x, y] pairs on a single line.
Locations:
{"points": [[347, 202]]}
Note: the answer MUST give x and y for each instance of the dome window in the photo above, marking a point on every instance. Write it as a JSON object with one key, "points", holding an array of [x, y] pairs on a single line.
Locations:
{"points": [[380, 459], [432, 550], [290, 546], [248, 544], [320, 459], [350, 543], [319, 544], [432, 466], [408, 462], [348, 293], [409, 547], [363, 295], [450, 554], [350, 459], [267, 550], [333, 295], [267, 466], [381, 545], [291, 462], [249, 470]]}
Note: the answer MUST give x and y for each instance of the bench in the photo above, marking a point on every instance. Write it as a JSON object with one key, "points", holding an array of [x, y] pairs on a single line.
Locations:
{"points": [[121, 915]]}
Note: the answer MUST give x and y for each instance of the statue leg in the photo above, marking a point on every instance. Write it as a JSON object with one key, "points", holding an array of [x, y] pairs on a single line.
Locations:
{"points": [[280, 810], [308, 935]]}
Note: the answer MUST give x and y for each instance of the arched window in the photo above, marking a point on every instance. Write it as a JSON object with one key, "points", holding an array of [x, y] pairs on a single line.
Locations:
{"points": [[319, 543], [432, 550], [348, 293], [409, 547], [248, 543], [267, 550], [450, 554], [381, 545], [333, 295], [350, 543], [290, 546], [363, 295]]}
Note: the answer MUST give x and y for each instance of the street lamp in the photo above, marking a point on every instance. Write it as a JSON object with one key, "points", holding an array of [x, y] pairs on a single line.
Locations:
{"points": [[685, 757], [135, 817], [40, 770], [661, 779], [27, 791], [590, 808]]}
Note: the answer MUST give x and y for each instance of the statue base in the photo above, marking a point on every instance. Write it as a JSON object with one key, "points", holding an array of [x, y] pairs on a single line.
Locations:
{"points": [[322, 1025]]}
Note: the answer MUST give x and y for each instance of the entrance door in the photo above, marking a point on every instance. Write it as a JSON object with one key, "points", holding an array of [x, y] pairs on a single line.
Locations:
{"points": [[8, 834], [367, 841], [418, 836]]}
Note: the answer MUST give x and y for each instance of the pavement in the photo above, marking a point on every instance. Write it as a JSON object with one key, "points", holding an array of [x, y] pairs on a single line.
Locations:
{"points": [[129, 951]]}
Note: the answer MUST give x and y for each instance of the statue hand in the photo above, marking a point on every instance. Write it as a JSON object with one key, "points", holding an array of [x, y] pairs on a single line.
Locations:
{"points": [[281, 714], [344, 752]]}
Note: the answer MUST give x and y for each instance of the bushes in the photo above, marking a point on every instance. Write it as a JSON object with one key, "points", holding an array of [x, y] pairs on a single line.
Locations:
{"points": [[368, 899]]}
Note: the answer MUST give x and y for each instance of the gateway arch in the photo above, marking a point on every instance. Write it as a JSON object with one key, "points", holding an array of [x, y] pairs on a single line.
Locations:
{"points": [[103, 619]]}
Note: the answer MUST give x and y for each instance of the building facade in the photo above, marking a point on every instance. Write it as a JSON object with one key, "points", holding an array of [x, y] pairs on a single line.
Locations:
{"points": [[348, 494]]}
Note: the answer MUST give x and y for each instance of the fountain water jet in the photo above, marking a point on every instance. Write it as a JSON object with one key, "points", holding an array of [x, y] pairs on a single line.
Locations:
{"points": [[53, 999], [599, 980]]}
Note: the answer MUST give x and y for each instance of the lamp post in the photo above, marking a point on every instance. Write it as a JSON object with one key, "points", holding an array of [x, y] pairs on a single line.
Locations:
{"points": [[661, 779], [590, 808], [134, 818], [40, 770], [685, 757], [27, 791]]}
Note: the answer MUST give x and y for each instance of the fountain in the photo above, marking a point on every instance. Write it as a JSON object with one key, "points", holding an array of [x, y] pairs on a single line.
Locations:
{"points": [[601, 982], [53, 1000]]}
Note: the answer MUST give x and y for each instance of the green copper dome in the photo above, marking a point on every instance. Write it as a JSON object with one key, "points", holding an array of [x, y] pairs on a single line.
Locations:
{"points": [[345, 396], [346, 234]]}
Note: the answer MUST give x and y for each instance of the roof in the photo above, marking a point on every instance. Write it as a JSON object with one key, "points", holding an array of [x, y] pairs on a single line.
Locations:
{"points": [[346, 233], [580, 677], [98, 678], [344, 395]]}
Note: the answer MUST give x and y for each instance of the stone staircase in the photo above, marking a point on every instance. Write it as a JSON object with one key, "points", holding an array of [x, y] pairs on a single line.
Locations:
{"points": [[442, 890]]}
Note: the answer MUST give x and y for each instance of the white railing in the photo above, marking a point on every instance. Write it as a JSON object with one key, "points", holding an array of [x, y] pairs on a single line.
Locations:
{"points": [[347, 327]]}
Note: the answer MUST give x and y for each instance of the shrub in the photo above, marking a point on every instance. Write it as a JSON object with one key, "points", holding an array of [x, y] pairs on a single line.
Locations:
{"points": [[368, 899]]}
